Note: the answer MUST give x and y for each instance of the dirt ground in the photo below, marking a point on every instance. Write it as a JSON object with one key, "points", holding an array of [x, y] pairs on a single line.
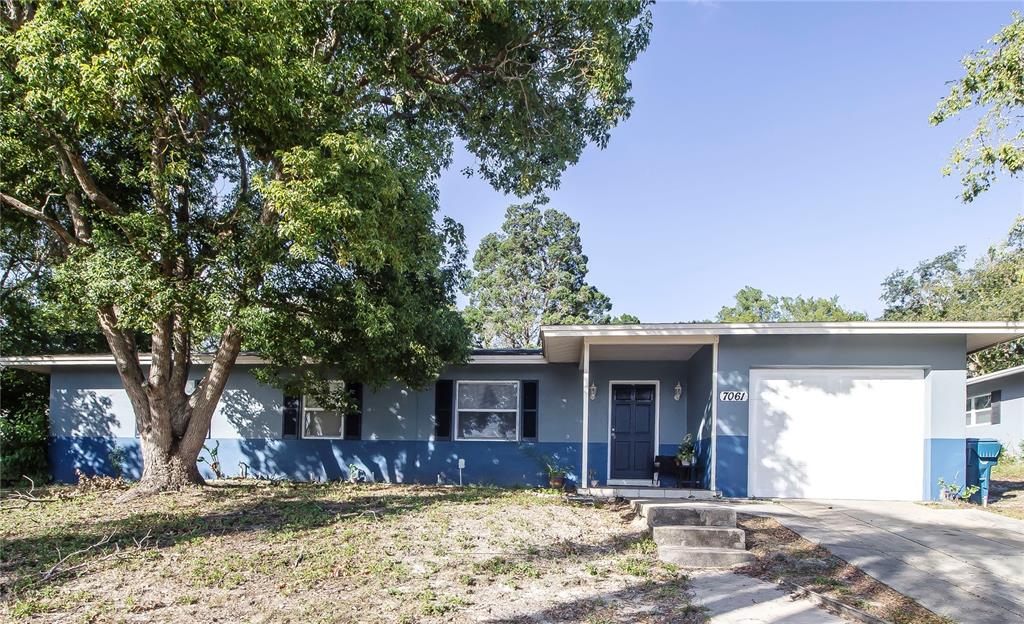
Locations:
{"points": [[782, 555], [1006, 492], [263, 552]]}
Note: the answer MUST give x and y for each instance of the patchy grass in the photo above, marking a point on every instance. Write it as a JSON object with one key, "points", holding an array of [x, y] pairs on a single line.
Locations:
{"points": [[1006, 491], [782, 555], [279, 552]]}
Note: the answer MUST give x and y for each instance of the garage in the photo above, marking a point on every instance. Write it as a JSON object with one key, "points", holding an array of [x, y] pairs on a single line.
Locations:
{"points": [[837, 433]]}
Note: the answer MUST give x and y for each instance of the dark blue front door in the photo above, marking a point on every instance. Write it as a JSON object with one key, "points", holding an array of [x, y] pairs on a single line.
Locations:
{"points": [[632, 434]]}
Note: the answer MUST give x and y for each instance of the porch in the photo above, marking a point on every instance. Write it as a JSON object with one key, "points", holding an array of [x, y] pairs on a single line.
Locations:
{"points": [[643, 394]]}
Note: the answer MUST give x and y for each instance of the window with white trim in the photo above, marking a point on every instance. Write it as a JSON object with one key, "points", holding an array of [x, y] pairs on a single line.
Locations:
{"points": [[321, 422], [979, 409], [487, 410]]}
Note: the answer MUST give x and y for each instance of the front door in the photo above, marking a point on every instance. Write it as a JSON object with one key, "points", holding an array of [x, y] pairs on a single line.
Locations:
{"points": [[632, 431]]}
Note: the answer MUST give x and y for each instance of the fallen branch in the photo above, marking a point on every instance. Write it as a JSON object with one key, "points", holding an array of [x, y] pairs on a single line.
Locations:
{"points": [[58, 568], [29, 496]]}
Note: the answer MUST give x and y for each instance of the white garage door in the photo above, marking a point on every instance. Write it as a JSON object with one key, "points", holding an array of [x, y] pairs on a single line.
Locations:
{"points": [[837, 433]]}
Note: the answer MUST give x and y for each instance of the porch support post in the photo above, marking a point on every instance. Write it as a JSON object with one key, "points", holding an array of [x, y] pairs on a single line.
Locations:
{"points": [[585, 365], [714, 416]]}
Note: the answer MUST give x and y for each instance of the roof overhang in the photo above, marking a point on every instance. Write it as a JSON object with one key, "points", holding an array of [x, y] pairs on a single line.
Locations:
{"points": [[46, 363], [1006, 372], [564, 343]]}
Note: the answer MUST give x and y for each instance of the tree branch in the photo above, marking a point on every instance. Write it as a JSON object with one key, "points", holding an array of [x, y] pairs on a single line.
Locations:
{"points": [[38, 215]]}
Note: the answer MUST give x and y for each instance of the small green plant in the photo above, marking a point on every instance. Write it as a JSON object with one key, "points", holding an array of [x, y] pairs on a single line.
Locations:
{"points": [[686, 451], [116, 457], [955, 492], [211, 459], [355, 474]]}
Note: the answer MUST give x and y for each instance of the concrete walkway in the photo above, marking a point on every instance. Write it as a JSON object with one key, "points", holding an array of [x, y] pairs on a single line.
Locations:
{"points": [[965, 564], [736, 599]]}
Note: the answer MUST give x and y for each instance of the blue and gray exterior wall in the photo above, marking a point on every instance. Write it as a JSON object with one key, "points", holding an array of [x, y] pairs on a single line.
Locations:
{"points": [[1010, 430], [90, 415], [941, 357]]}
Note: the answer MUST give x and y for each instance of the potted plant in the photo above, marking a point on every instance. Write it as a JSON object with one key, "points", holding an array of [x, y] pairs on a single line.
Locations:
{"points": [[686, 451], [593, 478], [556, 474]]}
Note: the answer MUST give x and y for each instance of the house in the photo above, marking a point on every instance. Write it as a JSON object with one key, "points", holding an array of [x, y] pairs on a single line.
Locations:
{"points": [[995, 407], [858, 410]]}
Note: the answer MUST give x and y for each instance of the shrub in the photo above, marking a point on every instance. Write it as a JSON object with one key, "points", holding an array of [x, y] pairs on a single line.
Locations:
{"points": [[23, 426]]}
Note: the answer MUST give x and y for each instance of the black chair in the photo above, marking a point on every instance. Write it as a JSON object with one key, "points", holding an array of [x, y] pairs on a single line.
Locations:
{"points": [[668, 465]]}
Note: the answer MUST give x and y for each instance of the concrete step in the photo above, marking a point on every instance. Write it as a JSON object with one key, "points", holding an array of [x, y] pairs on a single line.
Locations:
{"points": [[700, 537], [685, 514], [704, 557]]}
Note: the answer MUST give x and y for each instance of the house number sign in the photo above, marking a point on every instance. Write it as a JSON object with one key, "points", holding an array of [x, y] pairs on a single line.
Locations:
{"points": [[732, 395]]}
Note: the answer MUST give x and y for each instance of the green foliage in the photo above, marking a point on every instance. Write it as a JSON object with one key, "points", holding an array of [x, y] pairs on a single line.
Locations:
{"points": [[946, 289], [992, 87], [686, 451], [268, 168], [23, 426], [531, 273], [212, 459], [755, 306]]}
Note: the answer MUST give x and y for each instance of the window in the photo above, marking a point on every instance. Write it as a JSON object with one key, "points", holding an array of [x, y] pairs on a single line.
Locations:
{"points": [[529, 426], [443, 401], [979, 410], [321, 422], [487, 410]]}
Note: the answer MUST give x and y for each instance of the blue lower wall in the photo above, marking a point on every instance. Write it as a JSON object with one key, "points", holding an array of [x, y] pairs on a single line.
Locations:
{"points": [[731, 460], [946, 459], [497, 463]]}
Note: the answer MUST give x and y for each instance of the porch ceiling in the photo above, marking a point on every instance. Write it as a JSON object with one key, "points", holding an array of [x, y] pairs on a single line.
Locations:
{"points": [[676, 352]]}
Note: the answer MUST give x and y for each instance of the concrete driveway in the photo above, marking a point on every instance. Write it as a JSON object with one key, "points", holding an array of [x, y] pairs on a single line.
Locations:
{"points": [[965, 564]]}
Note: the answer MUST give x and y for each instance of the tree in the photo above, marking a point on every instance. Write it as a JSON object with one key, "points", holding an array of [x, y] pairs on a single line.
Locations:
{"points": [[754, 306], [944, 289], [262, 174], [993, 85], [532, 273]]}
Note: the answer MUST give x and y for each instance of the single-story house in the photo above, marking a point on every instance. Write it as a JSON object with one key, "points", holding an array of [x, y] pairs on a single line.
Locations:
{"points": [[995, 407], [858, 410]]}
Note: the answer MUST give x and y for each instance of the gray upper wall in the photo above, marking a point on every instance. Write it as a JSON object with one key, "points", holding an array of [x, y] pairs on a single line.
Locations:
{"points": [[942, 358], [90, 401], [1010, 430]]}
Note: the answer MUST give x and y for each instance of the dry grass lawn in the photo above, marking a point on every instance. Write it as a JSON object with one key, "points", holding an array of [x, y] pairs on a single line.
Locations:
{"points": [[1006, 492], [265, 552]]}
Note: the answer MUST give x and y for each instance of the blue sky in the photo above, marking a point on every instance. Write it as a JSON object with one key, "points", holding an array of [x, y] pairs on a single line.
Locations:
{"points": [[784, 146]]}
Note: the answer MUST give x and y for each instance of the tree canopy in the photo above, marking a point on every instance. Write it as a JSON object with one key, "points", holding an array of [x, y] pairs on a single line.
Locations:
{"points": [[532, 273], [945, 288], [993, 88], [261, 174], [755, 306]]}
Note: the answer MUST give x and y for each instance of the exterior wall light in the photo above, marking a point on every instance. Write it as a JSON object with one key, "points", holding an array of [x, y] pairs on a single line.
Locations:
{"points": [[679, 391], [593, 391]]}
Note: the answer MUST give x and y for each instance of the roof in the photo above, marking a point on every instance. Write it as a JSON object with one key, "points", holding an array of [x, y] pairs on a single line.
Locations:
{"points": [[1006, 372], [563, 343]]}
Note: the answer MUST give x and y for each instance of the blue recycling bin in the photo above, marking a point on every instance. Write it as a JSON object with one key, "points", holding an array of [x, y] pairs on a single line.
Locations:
{"points": [[981, 456]]}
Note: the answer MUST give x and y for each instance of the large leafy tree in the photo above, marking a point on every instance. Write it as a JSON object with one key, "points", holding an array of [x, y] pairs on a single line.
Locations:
{"points": [[531, 273], [755, 306], [946, 288], [261, 174], [992, 88]]}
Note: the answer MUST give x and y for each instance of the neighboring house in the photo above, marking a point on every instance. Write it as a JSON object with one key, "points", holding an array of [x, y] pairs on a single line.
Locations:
{"points": [[859, 410], [995, 407]]}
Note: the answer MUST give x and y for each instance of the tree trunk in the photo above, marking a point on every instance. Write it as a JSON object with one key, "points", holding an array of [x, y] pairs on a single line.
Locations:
{"points": [[163, 470], [172, 425]]}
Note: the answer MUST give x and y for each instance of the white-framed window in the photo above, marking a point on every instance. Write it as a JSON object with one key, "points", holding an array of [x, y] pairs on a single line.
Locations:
{"points": [[979, 409], [320, 422], [487, 410]]}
